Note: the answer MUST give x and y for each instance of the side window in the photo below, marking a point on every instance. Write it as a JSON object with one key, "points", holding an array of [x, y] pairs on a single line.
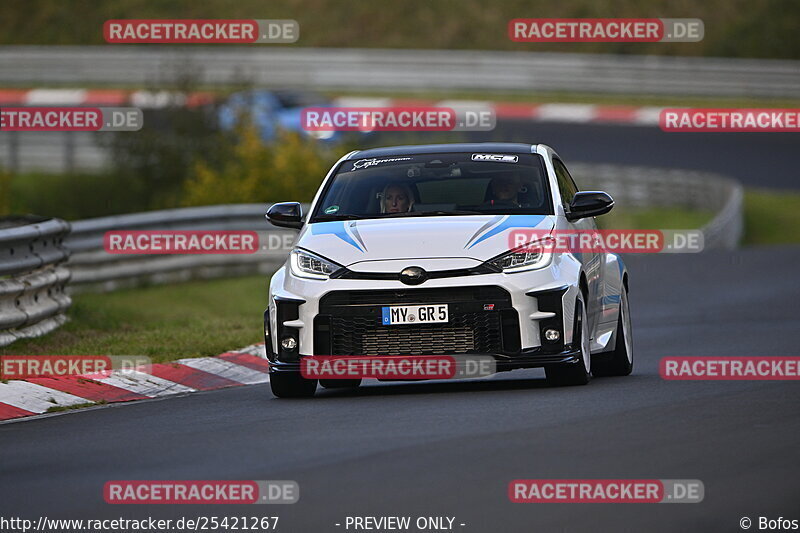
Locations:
{"points": [[566, 185]]}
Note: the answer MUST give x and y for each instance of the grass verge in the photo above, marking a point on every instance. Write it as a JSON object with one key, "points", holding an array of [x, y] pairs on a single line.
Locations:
{"points": [[61, 408], [194, 319], [533, 98], [771, 217], [656, 218]]}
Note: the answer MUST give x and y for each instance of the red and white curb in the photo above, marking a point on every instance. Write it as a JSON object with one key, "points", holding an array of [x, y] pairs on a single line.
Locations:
{"points": [[575, 113], [102, 97], [35, 396]]}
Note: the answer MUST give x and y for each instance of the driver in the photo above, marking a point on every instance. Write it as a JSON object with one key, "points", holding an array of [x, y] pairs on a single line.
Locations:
{"points": [[397, 198], [504, 190]]}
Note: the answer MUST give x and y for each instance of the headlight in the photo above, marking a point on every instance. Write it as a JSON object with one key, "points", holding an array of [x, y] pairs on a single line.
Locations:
{"points": [[305, 264], [528, 257]]}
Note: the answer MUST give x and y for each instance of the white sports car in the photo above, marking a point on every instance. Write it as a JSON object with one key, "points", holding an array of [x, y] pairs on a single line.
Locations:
{"points": [[429, 228]]}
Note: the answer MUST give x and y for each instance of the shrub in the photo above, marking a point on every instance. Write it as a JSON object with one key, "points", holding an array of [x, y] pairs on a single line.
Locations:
{"points": [[289, 168]]}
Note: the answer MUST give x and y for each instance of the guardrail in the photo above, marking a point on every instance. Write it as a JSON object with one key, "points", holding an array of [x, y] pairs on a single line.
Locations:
{"points": [[410, 70], [32, 277], [651, 187], [32, 250], [95, 269]]}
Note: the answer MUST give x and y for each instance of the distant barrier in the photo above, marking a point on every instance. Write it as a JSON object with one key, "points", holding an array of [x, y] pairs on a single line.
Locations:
{"points": [[376, 69], [641, 187]]}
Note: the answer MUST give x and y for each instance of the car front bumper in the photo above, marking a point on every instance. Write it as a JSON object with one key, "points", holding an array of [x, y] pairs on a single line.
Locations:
{"points": [[497, 314]]}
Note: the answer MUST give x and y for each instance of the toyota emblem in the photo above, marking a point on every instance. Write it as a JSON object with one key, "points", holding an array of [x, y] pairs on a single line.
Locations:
{"points": [[413, 275]]}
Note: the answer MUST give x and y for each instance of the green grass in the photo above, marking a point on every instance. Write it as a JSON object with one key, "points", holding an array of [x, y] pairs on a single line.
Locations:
{"points": [[194, 319], [733, 28], [68, 196], [531, 97], [771, 217], [61, 408], [656, 218]]}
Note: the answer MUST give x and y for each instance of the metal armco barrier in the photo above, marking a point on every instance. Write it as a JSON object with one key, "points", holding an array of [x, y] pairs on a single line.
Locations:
{"points": [[32, 277], [33, 301], [94, 269], [393, 70], [652, 187]]}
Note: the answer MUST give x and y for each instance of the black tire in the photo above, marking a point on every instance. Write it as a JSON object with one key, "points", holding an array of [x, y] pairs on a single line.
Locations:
{"points": [[574, 373], [340, 383], [618, 362], [291, 385]]}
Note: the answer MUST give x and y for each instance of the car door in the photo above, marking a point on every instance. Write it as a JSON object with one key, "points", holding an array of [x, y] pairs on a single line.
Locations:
{"points": [[592, 260]]}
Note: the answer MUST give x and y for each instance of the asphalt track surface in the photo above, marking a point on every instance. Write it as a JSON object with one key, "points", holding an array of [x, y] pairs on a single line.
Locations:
{"points": [[451, 448], [766, 160]]}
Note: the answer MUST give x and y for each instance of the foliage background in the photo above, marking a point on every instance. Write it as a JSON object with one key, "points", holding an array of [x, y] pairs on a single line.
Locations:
{"points": [[733, 28]]}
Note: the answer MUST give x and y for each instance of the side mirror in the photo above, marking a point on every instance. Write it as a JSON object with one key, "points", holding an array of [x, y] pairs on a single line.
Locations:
{"points": [[286, 215], [589, 204]]}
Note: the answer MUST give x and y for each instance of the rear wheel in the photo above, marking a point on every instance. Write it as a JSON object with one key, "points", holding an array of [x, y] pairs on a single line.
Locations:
{"points": [[340, 383], [291, 385], [575, 373], [620, 361]]}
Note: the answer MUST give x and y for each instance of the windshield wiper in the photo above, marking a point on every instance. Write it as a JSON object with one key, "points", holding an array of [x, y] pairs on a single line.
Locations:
{"points": [[328, 218], [432, 213]]}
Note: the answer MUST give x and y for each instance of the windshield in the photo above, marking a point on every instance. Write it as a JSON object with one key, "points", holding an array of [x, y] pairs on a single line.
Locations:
{"points": [[435, 185]]}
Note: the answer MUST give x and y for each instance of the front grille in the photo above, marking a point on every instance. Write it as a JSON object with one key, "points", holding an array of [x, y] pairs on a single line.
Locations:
{"points": [[443, 340], [481, 321]]}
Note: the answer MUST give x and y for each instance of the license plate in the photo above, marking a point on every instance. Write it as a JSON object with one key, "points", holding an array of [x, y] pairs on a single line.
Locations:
{"points": [[414, 314]]}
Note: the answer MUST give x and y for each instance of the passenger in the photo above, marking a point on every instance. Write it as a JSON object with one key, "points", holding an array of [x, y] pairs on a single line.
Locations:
{"points": [[397, 198]]}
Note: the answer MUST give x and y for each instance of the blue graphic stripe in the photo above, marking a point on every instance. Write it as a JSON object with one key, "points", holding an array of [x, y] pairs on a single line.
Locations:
{"points": [[513, 221], [489, 224], [386, 319], [336, 228]]}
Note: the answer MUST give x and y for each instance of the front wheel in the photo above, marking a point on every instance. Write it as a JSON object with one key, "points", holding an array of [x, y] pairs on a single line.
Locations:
{"points": [[620, 361], [577, 373], [291, 385]]}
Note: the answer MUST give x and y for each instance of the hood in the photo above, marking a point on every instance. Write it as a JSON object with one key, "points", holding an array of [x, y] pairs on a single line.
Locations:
{"points": [[464, 241]]}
